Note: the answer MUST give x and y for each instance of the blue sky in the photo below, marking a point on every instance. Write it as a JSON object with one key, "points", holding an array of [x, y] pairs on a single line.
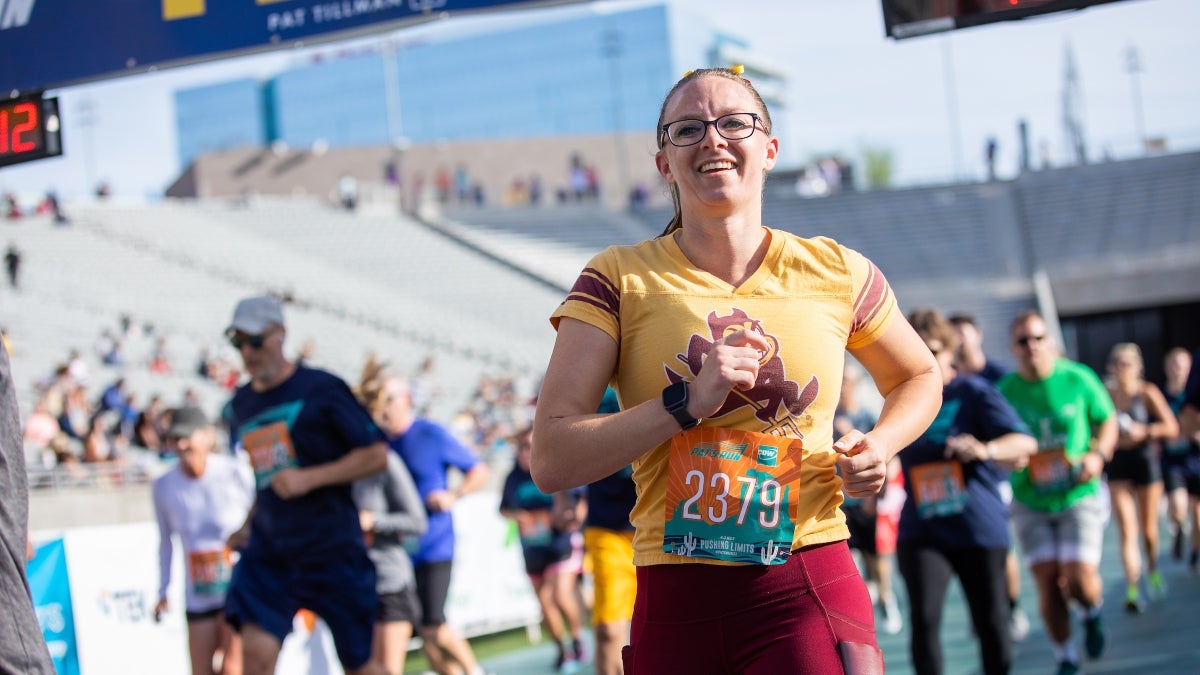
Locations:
{"points": [[932, 101]]}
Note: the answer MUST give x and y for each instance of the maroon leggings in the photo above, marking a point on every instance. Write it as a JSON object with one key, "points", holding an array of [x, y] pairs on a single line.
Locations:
{"points": [[754, 620]]}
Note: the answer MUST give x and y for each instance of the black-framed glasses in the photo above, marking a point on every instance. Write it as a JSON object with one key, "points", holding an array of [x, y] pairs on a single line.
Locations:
{"points": [[238, 340], [1027, 340], [732, 127]]}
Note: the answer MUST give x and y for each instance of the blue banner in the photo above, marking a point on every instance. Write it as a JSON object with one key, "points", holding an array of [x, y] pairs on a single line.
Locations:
{"points": [[52, 43], [51, 588]]}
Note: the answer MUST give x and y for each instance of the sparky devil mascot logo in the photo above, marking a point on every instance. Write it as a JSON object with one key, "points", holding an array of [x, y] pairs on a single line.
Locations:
{"points": [[776, 400]]}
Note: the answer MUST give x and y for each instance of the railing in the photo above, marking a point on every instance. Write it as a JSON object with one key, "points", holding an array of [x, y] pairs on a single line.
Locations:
{"points": [[110, 474]]}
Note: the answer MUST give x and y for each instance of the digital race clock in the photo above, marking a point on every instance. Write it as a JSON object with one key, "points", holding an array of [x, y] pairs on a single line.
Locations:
{"points": [[29, 130]]}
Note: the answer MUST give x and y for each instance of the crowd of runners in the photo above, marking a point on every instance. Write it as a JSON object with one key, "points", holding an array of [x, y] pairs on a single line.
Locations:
{"points": [[698, 438]]}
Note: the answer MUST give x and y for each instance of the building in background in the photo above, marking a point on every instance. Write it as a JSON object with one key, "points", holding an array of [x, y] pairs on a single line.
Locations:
{"points": [[580, 83]]}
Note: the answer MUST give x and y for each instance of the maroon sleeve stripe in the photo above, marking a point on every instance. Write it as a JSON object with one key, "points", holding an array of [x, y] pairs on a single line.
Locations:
{"points": [[873, 298], [594, 288]]}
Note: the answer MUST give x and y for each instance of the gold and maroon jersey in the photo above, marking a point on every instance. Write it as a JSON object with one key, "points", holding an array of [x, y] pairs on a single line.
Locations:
{"points": [[811, 299]]}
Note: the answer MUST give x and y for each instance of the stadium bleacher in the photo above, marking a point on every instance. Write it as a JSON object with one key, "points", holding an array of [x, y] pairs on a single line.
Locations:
{"points": [[473, 286]]}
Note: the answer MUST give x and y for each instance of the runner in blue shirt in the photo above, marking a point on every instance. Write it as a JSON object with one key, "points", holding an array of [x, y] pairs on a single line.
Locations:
{"points": [[430, 451]]}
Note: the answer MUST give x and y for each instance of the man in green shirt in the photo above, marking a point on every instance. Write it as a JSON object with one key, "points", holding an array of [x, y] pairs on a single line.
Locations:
{"points": [[1060, 508]]}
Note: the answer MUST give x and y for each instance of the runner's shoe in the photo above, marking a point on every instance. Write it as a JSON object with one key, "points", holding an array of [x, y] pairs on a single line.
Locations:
{"points": [[1158, 586], [1133, 600], [1094, 637], [1067, 668], [893, 621], [581, 653], [1018, 624]]}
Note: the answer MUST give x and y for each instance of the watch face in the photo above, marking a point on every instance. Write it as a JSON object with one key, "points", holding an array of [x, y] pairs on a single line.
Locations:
{"points": [[675, 395]]}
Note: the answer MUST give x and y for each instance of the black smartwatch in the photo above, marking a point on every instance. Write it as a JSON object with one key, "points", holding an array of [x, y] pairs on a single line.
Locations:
{"points": [[675, 400]]}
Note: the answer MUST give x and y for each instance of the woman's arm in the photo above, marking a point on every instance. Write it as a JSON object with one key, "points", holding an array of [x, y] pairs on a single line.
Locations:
{"points": [[405, 513], [907, 376], [1011, 450], [1167, 426]]}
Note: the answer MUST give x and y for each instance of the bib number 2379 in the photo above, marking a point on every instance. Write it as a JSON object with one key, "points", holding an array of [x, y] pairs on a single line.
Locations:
{"points": [[730, 496]]}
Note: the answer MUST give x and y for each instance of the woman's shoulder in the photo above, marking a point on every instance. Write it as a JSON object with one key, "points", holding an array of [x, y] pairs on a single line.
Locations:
{"points": [[820, 248]]}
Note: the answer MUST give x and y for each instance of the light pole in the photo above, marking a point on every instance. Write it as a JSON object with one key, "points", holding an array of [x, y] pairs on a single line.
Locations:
{"points": [[86, 110], [952, 115], [395, 126], [611, 49], [1133, 65]]}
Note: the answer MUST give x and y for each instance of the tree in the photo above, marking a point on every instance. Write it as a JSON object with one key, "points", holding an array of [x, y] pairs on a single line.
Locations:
{"points": [[879, 166]]}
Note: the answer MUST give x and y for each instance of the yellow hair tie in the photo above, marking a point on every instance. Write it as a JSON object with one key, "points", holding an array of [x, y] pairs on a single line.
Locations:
{"points": [[736, 68]]}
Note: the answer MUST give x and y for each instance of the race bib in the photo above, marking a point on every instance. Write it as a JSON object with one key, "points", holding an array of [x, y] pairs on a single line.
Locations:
{"points": [[210, 572], [270, 449], [535, 528], [938, 489], [1050, 472], [731, 496]]}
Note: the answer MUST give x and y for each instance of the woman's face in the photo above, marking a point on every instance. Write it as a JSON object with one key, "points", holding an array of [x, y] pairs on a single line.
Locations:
{"points": [[1125, 365], [716, 172]]}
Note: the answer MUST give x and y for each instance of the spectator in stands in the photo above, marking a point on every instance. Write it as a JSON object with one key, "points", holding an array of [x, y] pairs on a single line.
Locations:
{"points": [[422, 386], [22, 647], [55, 208], [202, 500], [444, 184], [12, 210], [76, 416], [149, 428], [114, 397], [78, 367], [430, 451], [308, 439], [1181, 461], [40, 426], [989, 158], [160, 363], [462, 185], [577, 178], [108, 349], [1135, 485], [348, 192], [97, 445], [535, 190], [12, 264], [392, 515], [690, 328], [546, 546]]}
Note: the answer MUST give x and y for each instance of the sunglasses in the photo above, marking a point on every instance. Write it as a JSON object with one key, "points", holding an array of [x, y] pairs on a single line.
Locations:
{"points": [[238, 340], [1027, 340]]}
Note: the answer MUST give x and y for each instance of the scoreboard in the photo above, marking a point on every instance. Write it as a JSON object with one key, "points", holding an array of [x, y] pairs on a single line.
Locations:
{"points": [[29, 130], [910, 18]]}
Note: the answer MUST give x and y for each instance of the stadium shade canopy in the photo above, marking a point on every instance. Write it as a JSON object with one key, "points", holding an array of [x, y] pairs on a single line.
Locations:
{"points": [[45, 44]]}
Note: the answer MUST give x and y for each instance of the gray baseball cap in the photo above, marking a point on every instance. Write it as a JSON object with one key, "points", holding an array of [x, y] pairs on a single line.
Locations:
{"points": [[253, 315], [186, 420]]}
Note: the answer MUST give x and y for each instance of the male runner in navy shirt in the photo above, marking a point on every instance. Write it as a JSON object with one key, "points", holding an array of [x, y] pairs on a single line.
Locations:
{"points": [[302, 547]]}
